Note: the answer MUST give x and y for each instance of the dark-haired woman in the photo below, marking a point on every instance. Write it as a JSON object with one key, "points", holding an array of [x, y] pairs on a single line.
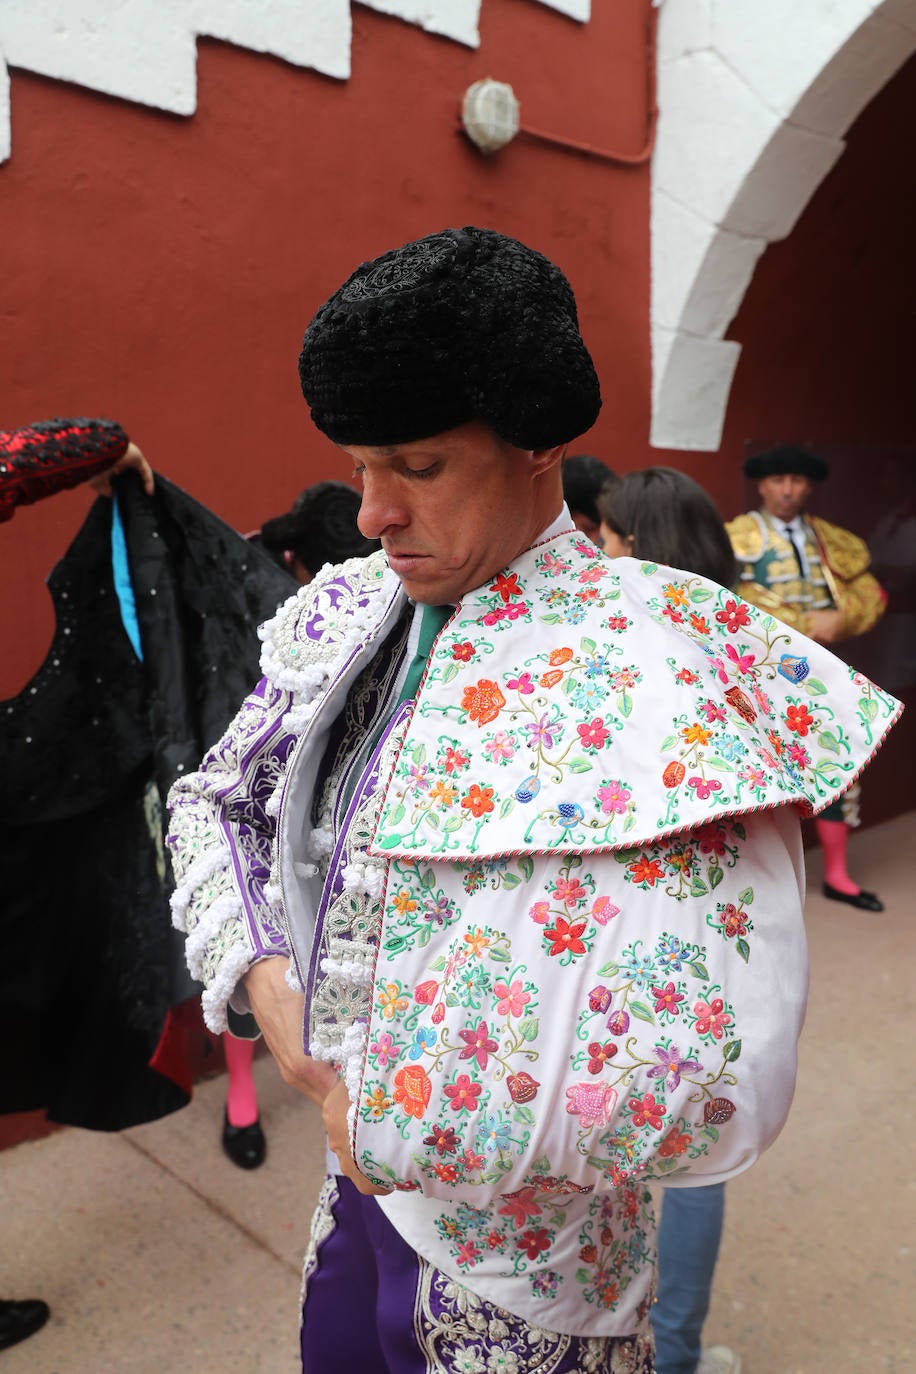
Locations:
{"points": [[662, 516]]}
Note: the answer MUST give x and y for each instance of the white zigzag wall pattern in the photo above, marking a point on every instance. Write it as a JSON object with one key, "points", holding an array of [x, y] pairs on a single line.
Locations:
{"points": [[146, 50]]}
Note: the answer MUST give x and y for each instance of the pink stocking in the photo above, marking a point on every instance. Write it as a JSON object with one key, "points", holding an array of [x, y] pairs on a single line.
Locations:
{"points": [[833, 836], [241, 1096]]}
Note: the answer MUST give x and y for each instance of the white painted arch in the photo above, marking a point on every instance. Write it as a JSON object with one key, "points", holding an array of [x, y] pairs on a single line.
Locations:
{"points": [[755, 97]]}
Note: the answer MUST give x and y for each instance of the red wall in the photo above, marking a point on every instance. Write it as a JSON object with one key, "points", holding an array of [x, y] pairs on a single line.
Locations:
{"points": [[161, 271]]}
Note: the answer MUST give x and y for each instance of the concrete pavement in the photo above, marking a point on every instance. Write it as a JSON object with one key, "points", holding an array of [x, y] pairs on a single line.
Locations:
{"points": [[158, 1255]]}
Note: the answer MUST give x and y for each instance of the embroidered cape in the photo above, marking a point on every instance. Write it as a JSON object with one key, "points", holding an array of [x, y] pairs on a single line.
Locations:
{"points": [[557, 947]]}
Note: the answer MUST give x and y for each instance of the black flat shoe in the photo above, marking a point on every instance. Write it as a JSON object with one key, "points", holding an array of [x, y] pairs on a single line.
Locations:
{"points": [[19, 1320], [865, 901], [245, 1145]]}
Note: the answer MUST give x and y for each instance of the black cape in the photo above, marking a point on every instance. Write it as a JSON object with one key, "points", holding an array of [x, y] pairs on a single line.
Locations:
{"points": [[90, 964]]}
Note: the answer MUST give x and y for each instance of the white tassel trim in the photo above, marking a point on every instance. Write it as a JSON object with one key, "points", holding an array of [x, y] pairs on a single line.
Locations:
{"points": [[292, 978], [226, 907], [367, 878], [216, 997], [200, 872], [348, 970], [320, 843]]}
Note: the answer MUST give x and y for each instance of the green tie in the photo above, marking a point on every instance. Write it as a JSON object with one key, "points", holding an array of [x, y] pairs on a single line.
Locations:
{"points": [[431, 622]]}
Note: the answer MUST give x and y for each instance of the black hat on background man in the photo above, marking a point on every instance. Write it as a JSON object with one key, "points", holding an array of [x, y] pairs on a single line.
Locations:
{"points": [[786, 458]]}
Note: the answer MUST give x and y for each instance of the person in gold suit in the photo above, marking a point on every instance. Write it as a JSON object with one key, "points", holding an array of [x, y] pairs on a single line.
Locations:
{"points": [[814, 576]]}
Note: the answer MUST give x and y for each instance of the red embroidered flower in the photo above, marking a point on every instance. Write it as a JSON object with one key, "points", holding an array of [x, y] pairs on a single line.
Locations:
{"points": [[734, 616], [507, 587], [478, 1044], [463, 652], [667, 998], [534, 1242], [598, 1055], [799, 719], [463, 1093], [647, 1112], [593, 733], [444, 1139], [646, 871], [479, 800], [566, 937], [675, 1143]]}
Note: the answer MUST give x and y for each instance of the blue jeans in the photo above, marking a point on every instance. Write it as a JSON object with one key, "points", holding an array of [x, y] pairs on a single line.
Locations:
{"points": [[688, 1243]]}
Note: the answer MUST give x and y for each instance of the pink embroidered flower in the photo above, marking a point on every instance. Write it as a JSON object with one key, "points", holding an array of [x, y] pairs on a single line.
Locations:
{"points": [[385, 1050], [455, 760], [667, 998], [512, 998], [762, 700], [625, 677], [613, 799], [647, 1112], [742, 662], [704, 787], [604, 910], [463, 1093], [799, 755], [712, 711], [593, 733], [521, 684], [570, 891], [468, 1253], [539, 913], [711, 1018], [618, 1023], [593, 1103], [755, 776], [478, 1044], [592, 574], [501, 746], [438, 1013]]}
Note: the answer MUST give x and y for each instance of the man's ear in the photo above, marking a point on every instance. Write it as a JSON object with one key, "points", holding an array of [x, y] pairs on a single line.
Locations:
{"points": [[543, 459]]}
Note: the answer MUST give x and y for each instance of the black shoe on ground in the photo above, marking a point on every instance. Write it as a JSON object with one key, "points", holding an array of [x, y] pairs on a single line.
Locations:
{"points": [[245, 1145], [19, 1320], [865, 901]]}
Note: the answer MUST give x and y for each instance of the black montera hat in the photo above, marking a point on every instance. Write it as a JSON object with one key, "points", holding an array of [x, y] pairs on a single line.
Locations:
{"points": [[787, 458], [465, 324]]}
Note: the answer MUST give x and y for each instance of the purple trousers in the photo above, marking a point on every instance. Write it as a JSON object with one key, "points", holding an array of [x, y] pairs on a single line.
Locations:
{"points": [[371, 1305]]}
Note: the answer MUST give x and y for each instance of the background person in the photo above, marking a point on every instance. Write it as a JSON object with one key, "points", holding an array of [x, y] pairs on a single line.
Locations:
{"points": [[819, 574], [320, 528], [660, 515], [584, 477]]}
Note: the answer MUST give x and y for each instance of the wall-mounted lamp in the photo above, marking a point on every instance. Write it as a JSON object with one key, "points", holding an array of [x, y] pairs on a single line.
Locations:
{"points": [[490, 114]]}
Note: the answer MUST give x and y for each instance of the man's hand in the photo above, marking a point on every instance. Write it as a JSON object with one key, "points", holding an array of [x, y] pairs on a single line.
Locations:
{"points": [[279, 1013], [826, 626], [336, 1106], [132, 460]]}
